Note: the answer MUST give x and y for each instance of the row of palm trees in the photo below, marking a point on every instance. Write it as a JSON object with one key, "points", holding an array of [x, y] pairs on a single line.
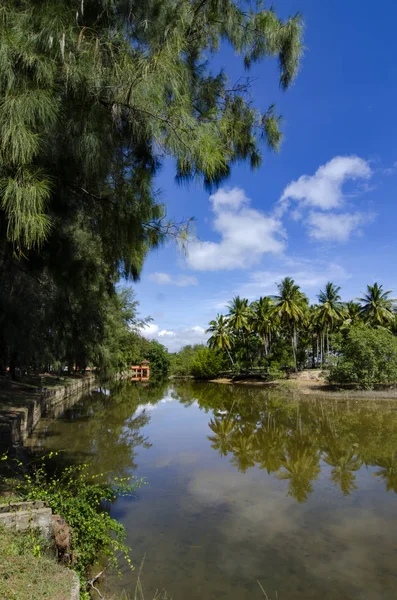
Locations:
{"points": [[288, 315]]}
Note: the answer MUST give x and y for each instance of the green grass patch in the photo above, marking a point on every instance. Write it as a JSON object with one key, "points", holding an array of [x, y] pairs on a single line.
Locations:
{"points": [[26, 573]]}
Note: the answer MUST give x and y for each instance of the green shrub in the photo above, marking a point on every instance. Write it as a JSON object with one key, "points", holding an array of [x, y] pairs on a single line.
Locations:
{"points": [[207, 364], [368, 358], [82, 500]]}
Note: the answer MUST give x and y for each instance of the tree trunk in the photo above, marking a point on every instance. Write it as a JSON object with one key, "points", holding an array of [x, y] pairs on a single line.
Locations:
{"points": [[294, 345], [313, 353], [327, 347], [13, 366]]}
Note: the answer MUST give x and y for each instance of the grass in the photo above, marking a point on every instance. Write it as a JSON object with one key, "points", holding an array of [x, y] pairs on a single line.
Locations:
{"points": [[26, 573]]}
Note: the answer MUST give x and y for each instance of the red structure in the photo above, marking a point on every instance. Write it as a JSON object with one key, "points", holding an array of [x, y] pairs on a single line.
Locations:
{"points": [[141, 372]]}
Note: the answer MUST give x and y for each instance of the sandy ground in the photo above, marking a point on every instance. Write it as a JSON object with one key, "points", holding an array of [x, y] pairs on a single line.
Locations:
{"points": [[313, 383]]}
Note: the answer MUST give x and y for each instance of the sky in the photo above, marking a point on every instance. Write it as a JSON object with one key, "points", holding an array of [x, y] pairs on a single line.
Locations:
{"points": [[322, 209]]}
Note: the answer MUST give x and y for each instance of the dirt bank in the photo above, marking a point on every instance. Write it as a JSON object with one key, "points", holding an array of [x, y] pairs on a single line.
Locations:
{"points": [[313, 383]]}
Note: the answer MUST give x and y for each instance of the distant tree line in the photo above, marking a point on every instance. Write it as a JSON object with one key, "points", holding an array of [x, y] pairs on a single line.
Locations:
{"points": [[285, 331]]}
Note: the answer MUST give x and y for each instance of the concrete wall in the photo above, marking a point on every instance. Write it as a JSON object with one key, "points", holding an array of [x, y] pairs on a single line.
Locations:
{"points": [[27, 515], [17, 422], [22, 516]]}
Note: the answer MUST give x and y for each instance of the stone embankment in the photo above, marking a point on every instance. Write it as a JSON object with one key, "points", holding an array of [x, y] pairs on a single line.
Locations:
{"points": [[21, 408], [21, 516]]}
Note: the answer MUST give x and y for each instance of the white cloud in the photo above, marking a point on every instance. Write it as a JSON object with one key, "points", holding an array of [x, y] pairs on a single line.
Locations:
{"points": [[179, 280], [324, 189], [150, 330], [165, 332], [310, 275], [174, 340], [246, 234], [334, 227]]}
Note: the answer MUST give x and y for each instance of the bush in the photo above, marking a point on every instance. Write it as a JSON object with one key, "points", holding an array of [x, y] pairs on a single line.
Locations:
{"points": [[207, 364], [368, 358], [82, 500]]}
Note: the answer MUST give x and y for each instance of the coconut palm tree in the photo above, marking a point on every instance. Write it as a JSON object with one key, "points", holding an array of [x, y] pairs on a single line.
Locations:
{"points": [[291, 307], [377, 308], [239, 317], [239, 314], [221, 338], [263, 321], [330, 311], [352, 313]]}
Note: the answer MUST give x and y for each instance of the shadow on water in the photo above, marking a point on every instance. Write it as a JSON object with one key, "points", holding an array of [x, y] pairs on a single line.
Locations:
{"points": [[245, 484]]}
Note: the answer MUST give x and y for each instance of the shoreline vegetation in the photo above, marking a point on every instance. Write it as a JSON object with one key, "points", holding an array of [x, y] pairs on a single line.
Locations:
{"points": [[312, 383], [277, 337]]}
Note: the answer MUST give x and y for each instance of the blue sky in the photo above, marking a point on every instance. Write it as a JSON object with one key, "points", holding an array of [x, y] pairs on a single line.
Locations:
{"points": [[322, 209]]}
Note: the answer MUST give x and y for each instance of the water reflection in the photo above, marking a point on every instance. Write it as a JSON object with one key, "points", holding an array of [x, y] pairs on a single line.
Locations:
{"points": [[245, 485], [292, 438], [103, 430]]}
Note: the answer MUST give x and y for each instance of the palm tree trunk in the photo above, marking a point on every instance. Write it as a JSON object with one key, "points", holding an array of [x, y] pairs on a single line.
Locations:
{"points": [[327, 347], [313, 352], [230, 356], [294, 345]]}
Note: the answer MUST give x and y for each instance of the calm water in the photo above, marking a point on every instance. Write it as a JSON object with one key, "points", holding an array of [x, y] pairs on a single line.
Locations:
{"points": [[245, 485]]}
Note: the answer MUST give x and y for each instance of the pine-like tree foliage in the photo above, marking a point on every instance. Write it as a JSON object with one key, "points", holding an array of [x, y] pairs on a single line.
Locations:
{"points": [[94, 94]]}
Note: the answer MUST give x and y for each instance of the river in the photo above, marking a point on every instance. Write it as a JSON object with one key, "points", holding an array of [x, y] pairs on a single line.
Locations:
{"points": [[244, 485]]}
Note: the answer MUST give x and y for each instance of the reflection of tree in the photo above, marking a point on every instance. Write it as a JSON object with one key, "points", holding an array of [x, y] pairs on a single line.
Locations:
{"points": [[273, 431], [222, 429], [388, 471], [345, 463], [243, 448], [104, 430], [300, 468], [270, 449]]}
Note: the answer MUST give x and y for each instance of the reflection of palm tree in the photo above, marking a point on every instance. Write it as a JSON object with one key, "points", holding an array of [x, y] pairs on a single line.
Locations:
{"points": [[222, 429], [243, 446], [344, 464], [388, 471], [300, 468], [270, 449]]}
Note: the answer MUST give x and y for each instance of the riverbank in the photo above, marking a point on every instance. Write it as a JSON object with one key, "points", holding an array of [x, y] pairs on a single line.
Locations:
{"points": [[313, 383], [22, 404]]}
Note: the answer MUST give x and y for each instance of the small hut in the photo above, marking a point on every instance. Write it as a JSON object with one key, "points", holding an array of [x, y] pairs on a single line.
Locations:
{"points": [[141, 372]]}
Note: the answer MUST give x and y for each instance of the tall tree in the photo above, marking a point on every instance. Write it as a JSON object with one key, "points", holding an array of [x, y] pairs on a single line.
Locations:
{"points": [[264, 322], [291, 307], [329, 312], [376, 306], [221, 338], [93, 96]]}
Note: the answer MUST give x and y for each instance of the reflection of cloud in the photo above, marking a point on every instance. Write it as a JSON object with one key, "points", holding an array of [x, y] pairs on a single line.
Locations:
{"points": [[151, 407], [180, 458], [271, 535], [352, 544], [246, 504]]}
